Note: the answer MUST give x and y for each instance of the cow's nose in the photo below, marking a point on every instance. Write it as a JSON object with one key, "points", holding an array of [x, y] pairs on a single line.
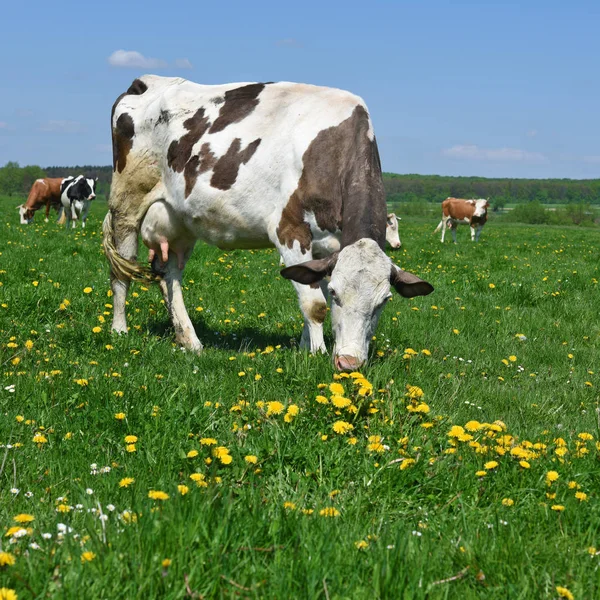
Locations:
{"points": [[345, 362], [92, 196], [396, 246]]}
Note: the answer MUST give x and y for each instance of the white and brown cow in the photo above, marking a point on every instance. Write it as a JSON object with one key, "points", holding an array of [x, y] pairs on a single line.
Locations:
{"points": [[457, 210], [254, 165], [44, 192], [392, 236]]}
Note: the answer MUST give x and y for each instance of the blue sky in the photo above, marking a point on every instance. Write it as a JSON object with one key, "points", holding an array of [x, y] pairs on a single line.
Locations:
{"points": [[498, 89]]}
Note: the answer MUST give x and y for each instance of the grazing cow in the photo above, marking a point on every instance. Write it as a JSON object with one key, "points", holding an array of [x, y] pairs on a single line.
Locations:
{"points": [[457, 210], [44, 192], [392, 236], [254, 165], [76, 195]]}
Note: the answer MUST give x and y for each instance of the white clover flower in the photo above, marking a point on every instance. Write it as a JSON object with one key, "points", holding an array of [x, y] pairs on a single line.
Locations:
{"points": [[28, 494], [47, 536], [110, 507], [14, 491], [89, 491]]}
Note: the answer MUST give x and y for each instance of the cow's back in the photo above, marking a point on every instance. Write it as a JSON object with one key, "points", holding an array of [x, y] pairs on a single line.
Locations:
{"points": [[263, 141]]}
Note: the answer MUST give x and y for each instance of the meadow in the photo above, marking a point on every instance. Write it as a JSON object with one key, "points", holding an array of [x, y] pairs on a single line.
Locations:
{"points": [[462, 462]]}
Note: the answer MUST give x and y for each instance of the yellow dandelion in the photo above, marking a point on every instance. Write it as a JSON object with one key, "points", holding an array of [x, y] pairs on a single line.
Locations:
{"points": [[289, 506], [336, 388], [342, 427], [481, 473], [330, 511], [192, 453], [507, 502], [340, 401], [158, 495], [551, 476], [524, 464], [7, 559], [120, 416], [87, 556], [274, 408], [87, 290], [208, 441], [183, 489], [581, 496], [126, 482], [251, 459], [563, 592], [558, 507], [40, 438], [23, 518], [96, 329], [131, 439]]}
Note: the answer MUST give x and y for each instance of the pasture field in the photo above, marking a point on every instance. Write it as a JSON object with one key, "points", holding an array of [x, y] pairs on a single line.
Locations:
{"points": [[462, 462]]}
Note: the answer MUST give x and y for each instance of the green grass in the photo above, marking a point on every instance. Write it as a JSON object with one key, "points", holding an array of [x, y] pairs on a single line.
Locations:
{"points": [[432, 530]]}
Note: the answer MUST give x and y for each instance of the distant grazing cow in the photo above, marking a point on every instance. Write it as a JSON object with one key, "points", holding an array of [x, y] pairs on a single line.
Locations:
{"points": [[253, 165], [44, 192], [391, 231], [457, 210], [76, 196]]}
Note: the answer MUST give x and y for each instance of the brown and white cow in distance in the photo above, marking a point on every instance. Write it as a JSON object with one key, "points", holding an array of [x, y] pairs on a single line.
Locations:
{"points": [[254, 165], [44, 192], [457, 210]]}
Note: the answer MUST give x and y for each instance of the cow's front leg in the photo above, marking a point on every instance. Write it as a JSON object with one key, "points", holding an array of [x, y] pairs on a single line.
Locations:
{"points": [[472, 233], [171, 273], [312, 302], [444, 225], [47, 212], [478, 232]]}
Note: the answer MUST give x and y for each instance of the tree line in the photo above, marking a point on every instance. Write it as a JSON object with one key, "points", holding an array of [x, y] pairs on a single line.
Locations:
{"points": [[17, 181], [435, 188]]}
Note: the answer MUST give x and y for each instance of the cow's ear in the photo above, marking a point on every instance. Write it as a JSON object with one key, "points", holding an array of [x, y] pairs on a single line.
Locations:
{"points": [[311, 271], [407, 284], [19, 207]]}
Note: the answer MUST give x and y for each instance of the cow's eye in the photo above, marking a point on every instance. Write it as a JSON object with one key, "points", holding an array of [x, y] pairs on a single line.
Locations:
{"points": [[333, 295]]}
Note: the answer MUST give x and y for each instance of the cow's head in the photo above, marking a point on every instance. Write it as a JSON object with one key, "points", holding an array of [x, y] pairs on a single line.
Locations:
{"points": [[361, 275], [90, 190], [392, 236], [481, 207], [25, 214]]}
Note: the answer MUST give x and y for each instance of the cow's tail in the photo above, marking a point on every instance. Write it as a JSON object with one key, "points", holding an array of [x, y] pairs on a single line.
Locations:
{"points": [[122, 268]]}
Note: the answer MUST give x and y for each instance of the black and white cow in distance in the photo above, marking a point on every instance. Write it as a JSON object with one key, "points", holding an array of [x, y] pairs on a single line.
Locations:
{"points": [[254, 165], [76, 194]]}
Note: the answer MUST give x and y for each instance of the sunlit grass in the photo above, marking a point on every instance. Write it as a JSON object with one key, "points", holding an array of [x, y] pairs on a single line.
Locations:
{"points": [[462, 462]]}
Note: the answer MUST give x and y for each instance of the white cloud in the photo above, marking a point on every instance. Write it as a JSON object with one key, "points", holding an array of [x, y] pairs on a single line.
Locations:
{"points": [[183, 63], [131, 59], [289, 43], [3, 125], [58, 126], [473, 152]]}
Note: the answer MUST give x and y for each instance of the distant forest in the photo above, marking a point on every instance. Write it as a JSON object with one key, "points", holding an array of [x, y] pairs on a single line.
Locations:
{"points": [[16, 181]]}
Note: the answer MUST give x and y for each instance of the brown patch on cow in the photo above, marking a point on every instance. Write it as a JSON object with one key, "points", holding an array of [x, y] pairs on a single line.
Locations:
{"points": [[239, 103], [198, 164], [137, 88], [180, 151], [317, 312], [122, 138], [341, 184], [226, 168]]}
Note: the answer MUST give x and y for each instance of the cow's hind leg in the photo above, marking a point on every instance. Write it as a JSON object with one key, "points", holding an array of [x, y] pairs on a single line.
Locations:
{"points": [[444, 225], [312, 302], [453, 228], [126, 244]]}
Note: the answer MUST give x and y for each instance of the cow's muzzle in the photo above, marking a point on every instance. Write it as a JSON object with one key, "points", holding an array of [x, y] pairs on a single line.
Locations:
{"points": [[345, 362]]}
